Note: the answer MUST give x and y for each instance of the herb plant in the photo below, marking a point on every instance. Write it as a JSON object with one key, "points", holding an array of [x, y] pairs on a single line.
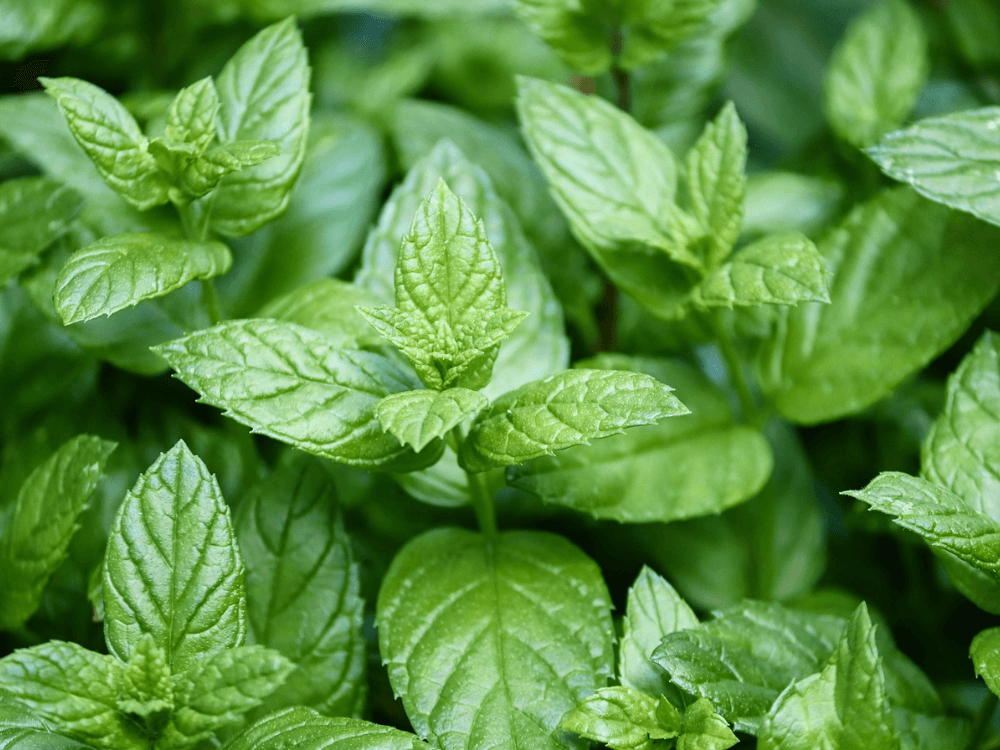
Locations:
{"points": [[500, 375]]}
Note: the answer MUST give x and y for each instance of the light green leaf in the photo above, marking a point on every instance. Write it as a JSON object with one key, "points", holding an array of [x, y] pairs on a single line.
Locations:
{"points": [[74, 690], [204, 173], [263, 96], [908, 276], [21, 730], [218, 689], [789, 202], [844, 706], [172, 568], [576, 34], [111, 138], [42, 521], [717, 182], [305, 729], [565, 409], [146, 688], [985, 653], [294, 385], [45, 25], [660, 473], [193, 115], [919, 731], [34, 213], [782, 269], [302, 588], [418, 417], [953, 159], [121, 271], [704, 729], [654, 609], [329, 307], [521, 621], [622, 718], [876, 72], [616, 183]]}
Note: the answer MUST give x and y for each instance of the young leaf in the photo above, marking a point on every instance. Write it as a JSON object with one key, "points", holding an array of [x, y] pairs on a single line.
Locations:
{"points": [[263, 96], [294, 385], [204, 173], [20, 730], [146, 688], [121, 271], [782, 269], [985, 653], [715, 169], [654, 609], [621, 718], [908, 276], [43, 520], [950, 159], [522, 621], [876, 73], [568, 408], [704, 729], [193, 115], [417, 417], [172, 568], [844, 706], [305, 729], [302, 588], [111, 138], [74, 690], [34, 213]]}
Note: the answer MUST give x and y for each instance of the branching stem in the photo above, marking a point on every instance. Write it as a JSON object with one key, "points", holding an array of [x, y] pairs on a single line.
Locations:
{"points": [[194, 220]]}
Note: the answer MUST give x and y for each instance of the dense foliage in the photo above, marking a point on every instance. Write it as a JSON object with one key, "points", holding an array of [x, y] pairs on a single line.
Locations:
{"points": [[499, 374]]}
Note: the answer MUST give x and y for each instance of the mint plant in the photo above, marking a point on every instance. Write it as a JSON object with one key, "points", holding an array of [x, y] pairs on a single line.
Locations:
{"points": [[495, 375]]}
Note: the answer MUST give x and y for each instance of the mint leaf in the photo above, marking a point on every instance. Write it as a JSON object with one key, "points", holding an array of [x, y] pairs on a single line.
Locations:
{"points": [[660, 473], [568, 27], [74, 690], [568, 408], [783, 269], [704, 729], [418, 417], [985, 653], [34, 213], [329, 307], [263, 96], [204, 173], [193, 115], [121, 271], [876, 72], [41, 523], [111, 138], [294, 385], [653, 610], [622, 718], [843, 706], [513, 618], [305, 729], [146, 688], [908, 276], [786, 201], [172, 569], [715, 169], [302, 587], [20, 730]]}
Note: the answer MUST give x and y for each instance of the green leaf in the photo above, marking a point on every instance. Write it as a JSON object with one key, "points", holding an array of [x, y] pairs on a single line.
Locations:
{"points": [[263, 96], [302, 588], [146, 688], [305, 729], [74, 690], [294, 385], [218, 689], [329, 307], [985, 653], [565, 409], [418, 417], [45, 25], [704, 729], [786, 201], [34, 213], [451, 306], [844, 706], [951, 159], [782, 269], [621, 718], [908, 277], [111, 138], [616, 184], [172, 569], [20, 730], [521, 621], [717, 183], [660, 473], [40, 525], [654, 609], [205, 172], [876, 72], [121, 271], [568, 27], [193, 115]]}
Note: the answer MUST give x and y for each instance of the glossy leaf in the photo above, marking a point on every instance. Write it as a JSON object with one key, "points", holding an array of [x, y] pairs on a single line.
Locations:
{"points": [[34, 213], [205, 172], [623, 719], [193, 115], [21, 730], [329, 307], [146, 686], [418, 417], [307, 730], [704, 729], [985, 653]]}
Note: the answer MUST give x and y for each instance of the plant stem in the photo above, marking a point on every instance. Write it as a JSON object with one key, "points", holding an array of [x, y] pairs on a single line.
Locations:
{"points": [[981, 722], [195, 224], [621, 78], [482, 498], [211, 300], [737, 375]]}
